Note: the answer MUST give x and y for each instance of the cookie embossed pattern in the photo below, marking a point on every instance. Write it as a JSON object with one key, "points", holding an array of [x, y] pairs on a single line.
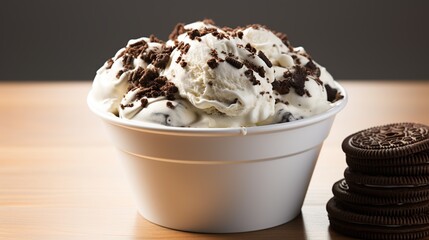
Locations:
{"points": [[385, 193], [393, 140]]}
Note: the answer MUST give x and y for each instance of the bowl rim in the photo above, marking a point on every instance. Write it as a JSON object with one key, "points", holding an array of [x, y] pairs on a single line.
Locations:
{"points": [[155, 128]]}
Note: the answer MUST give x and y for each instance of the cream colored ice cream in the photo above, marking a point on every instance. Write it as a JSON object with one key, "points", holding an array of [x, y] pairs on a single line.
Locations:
{"points": [[207, 76]]}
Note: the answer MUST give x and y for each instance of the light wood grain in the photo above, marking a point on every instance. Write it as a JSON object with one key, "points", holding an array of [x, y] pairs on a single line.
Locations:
{"points": [[59, 178]]}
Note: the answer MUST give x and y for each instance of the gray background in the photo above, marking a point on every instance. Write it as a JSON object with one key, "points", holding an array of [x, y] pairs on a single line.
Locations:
{"points": [[70, 40]]}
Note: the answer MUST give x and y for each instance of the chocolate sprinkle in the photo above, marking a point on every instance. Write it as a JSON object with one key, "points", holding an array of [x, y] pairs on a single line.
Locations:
{"points": [[183, 64], [212, 63], [235, 63], [265, 59]]}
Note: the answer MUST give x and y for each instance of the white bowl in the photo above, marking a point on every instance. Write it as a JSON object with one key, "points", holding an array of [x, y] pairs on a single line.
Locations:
{"points": [[219, 180]]}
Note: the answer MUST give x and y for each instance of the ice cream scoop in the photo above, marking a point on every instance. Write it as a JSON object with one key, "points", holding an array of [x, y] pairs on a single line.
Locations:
{"points": [[207, 76]]}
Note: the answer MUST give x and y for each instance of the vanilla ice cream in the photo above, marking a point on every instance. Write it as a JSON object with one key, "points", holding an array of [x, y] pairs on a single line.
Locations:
{"points": [[207, 76]]}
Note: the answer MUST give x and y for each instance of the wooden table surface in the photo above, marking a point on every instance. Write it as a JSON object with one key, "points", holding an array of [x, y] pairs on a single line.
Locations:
{"points": [[59, 178]]}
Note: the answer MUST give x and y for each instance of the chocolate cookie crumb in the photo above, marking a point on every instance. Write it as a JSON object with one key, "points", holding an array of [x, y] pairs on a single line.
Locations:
{"points": [[333, 94], [148, 57], [235, 63], [265, 59], [282, 87], [212, 63], [183, 64], [313, 69], [178, 59], [250, 48], [144, 102], [161, 60], [194, 33], [240, 34], [128, 62], [109, 63], [259, 69], [249, 74], [170, 105], [120, 72], [178, 29], [298, 79]]}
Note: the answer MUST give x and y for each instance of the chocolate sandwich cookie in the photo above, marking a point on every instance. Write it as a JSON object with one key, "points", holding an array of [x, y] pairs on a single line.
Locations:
{"points": [[399, 192], [337, 212], [376, 226], [387, 181], [363, 231], [342, 191], [387, 141], [405, 170], [419, 158], [386, 210]]}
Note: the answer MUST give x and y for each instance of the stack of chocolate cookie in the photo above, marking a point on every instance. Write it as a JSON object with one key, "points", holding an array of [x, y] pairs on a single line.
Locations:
{"points": [[385, 193]]}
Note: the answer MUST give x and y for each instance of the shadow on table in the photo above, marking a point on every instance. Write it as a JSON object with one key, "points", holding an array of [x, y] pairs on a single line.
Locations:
{"points": [[294, 229]]}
